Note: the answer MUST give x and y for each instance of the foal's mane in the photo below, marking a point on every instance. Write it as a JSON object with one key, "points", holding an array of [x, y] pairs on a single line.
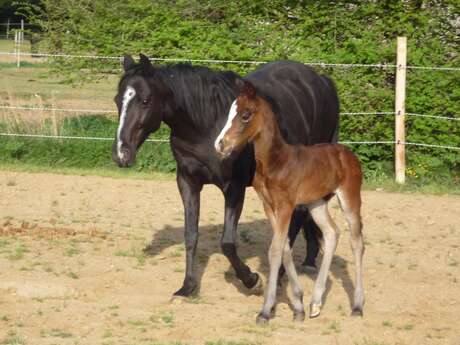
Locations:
{"points": [[200, 92]]}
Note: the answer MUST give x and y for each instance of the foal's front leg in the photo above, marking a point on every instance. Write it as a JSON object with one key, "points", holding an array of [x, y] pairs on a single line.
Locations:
{"points": [[280, 225]]}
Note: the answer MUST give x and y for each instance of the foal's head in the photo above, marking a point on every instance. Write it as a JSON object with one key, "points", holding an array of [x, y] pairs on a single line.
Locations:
{"points": [[244, 122]]}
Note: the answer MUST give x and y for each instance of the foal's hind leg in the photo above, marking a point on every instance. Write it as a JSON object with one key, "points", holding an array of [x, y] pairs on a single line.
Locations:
{"points": [[322, 217], [350, 201]]}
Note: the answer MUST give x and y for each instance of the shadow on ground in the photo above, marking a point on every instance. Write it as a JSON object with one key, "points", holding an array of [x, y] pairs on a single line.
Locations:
{"points": [[254, 241]]}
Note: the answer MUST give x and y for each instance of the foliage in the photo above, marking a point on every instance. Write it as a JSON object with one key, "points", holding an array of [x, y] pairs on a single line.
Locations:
{"points": [[338, 31]]}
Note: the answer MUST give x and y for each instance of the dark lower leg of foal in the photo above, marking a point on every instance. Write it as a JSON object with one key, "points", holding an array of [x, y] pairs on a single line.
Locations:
{"points": [[234, 198]]}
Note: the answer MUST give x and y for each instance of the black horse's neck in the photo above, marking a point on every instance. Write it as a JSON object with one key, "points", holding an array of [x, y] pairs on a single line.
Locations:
{"points": [[201, 97]]}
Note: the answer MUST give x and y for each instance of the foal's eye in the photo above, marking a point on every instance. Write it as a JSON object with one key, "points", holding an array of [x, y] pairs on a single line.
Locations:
{"points": [[246, 116]]}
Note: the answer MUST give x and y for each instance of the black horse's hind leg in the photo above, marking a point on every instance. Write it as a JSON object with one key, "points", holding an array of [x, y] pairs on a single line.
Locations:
{"points": [[297, 220], [234, 198], [302, 219], [311, 233], [190, 194]]}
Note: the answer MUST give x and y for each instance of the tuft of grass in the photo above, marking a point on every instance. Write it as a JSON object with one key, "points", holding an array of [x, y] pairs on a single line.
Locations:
{"points": [[13, 338], [72, 275], [335, 326], [59, 333], [387, 323], [408, 327], [18, 252], [229, 342]]}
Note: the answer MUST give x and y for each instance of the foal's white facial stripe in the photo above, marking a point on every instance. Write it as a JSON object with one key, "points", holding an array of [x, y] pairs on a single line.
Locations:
{"points": [[231, 115], [127, 97]]}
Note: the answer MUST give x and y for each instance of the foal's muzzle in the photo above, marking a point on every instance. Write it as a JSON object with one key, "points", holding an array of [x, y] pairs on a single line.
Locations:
{"points": [[223, 149]]}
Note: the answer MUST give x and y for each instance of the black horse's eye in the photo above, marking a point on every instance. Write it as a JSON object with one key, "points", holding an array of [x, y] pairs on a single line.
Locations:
{"points": [[145, 101], [246, 116]]}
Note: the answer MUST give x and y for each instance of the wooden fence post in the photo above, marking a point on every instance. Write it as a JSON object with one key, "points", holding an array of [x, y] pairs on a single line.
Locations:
{"points": [[8, 29], [17, 47], [400, 111]]}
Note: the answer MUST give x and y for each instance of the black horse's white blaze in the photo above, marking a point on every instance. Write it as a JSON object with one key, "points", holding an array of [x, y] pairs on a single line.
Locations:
{"points": [[127, 97]]}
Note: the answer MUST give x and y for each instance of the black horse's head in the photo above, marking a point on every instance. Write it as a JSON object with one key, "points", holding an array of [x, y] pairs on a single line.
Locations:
{"points": [[141, 108]]}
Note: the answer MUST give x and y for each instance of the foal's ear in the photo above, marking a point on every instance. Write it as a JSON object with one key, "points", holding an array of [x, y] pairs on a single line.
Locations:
{"points": [[144, 60], [249, 90], [128, 62]]}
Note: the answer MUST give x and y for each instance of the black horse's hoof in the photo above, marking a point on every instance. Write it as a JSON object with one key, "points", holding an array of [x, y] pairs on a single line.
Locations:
{"points": [[308, 267], [357, 311], [262, 319], [187, 290], [252, 281]]}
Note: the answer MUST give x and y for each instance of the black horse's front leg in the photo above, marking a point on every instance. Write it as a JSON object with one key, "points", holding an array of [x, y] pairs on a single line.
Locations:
{"points": [[190, 193], [234, 199]]}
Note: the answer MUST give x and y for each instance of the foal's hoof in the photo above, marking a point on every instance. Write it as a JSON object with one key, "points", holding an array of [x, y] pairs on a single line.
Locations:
{"points": [[357, 311], [315, 310], [299, 316], [262, 319]]}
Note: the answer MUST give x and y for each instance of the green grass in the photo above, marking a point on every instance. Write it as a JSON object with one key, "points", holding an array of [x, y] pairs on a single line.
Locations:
{"points": [[8, 45], [82, 154], [13, 339], [34, 84], [227, 342]]}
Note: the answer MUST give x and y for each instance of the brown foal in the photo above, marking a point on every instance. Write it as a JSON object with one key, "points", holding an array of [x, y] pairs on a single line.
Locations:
{"points": [[289, 175]]}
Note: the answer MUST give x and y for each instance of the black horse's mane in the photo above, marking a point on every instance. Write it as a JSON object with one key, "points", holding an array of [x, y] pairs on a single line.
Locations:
{"points": [[200, 92]]}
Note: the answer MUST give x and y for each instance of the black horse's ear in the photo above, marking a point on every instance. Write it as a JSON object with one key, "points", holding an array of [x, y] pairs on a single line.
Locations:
{"points": [[144, 60], [128, 62], [249, 90]]}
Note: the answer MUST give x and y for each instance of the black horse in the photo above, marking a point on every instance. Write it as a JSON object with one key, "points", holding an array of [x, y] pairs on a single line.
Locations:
{"points": [[194, 103]]}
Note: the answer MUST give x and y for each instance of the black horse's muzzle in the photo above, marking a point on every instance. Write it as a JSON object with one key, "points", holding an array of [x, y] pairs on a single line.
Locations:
{"points": [[123, 156]]}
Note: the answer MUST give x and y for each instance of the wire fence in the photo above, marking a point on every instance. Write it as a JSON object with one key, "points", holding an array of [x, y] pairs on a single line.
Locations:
{"points": [[217, 61], [108, 111], [18, 54], [89, 138]]}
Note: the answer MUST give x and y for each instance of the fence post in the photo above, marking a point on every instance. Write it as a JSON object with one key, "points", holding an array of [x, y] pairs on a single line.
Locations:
{"points": [[8, 29], [400, 110], [17, 47], [22, 29]]}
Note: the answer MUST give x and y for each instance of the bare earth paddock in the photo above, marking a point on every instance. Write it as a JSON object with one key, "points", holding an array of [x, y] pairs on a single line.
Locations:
{"points": [[73, 269]]}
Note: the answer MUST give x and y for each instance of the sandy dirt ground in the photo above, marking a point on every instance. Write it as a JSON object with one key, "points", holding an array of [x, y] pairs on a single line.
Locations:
{"points": [[73, 268]]}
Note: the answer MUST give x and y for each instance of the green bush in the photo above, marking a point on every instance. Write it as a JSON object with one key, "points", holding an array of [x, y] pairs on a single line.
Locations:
{"points": [[361, 32]]}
